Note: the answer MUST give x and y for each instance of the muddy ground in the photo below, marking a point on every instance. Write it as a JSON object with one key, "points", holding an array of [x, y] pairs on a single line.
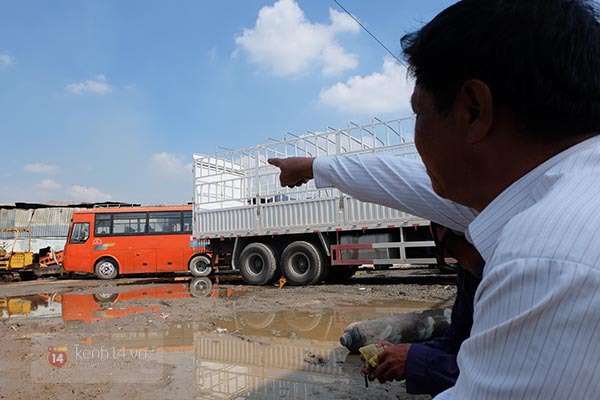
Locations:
{"points": [[177, 338]]}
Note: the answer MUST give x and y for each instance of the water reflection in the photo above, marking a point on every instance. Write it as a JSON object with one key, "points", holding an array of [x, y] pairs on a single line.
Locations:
{"points": [[38, 306], [105, 303], [252, 355], [234, 368]]}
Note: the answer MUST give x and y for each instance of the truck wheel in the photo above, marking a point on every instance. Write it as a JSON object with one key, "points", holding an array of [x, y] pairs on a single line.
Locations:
{"points": [[256, 320], [106, 268], [258, 264], [302, 263], [302, 321], [341, 273], [200, 265]]}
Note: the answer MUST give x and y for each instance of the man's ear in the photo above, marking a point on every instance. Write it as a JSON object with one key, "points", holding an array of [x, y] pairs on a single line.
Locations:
{"points": [[475, 107]]}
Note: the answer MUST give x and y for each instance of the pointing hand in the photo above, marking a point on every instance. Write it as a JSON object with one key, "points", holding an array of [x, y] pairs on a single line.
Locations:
{"points": [[295, 171]]}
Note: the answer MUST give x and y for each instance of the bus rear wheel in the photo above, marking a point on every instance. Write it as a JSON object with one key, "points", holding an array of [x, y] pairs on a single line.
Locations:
{"points": [[200, 265], [106, 268]]}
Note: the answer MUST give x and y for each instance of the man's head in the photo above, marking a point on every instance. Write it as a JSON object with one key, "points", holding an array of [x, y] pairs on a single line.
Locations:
{"points": [[491, 68], [540, 59]]}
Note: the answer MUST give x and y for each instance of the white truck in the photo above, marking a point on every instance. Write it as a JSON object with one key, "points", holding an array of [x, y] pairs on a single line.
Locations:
{"points": [[248, 222]]}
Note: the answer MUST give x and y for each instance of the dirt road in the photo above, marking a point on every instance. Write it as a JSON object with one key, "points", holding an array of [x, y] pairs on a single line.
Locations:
{"points": [[177, 338]]}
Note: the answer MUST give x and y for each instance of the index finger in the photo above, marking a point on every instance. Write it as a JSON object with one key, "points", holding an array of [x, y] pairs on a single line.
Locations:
{"points": [[275, 161]]}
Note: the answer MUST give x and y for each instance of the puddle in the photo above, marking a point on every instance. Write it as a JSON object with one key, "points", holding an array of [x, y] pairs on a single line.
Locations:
{"points": [[251, 355], [293, 355], [105, 302], [38, 306]]}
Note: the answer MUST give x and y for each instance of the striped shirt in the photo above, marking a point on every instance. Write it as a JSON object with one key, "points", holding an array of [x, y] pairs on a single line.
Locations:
{"points": [[536, 329]]}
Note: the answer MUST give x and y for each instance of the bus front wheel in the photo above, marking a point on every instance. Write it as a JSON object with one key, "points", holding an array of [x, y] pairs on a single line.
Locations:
{"points": [[200, 265], [106, 268]]}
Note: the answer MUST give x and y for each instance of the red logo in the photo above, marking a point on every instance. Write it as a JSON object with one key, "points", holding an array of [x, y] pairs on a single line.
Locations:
{"points": [[57, 356]]}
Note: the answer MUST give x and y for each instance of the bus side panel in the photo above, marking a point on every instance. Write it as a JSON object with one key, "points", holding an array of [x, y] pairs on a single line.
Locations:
{"points": [[173, 252], [134, 254]]}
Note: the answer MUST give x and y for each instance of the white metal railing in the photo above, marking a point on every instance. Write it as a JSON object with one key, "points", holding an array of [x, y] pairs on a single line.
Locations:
{"points": [[237, 178]]}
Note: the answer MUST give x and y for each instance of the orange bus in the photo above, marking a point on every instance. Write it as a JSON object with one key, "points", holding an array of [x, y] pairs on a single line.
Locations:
{"points": [[131, 240]]}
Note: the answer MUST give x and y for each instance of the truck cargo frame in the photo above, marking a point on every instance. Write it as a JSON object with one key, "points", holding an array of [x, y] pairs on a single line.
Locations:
{"points": [[240, 204]]}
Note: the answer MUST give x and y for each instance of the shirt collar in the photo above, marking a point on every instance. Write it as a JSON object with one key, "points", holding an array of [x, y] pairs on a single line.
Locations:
{"points": [[486, 228]]}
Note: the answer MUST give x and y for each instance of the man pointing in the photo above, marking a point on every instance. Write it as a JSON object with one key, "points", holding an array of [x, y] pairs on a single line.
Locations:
{"points": [[507, 104]]}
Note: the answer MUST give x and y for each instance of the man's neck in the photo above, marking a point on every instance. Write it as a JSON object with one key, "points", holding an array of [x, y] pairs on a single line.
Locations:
{"points": [[507, 162]]}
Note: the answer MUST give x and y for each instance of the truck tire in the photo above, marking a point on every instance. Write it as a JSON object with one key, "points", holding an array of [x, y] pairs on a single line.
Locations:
{"points": [[256, 320], [106, 268], [200, 265], [302, 264], [302, 321], [258, 264]]}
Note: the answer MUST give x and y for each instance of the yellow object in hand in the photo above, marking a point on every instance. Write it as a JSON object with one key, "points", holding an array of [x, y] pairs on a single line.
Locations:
{"points": [[370, 353]]}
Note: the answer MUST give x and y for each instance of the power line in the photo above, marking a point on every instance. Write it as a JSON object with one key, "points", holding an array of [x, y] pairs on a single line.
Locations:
{"points": [[369, 32]]}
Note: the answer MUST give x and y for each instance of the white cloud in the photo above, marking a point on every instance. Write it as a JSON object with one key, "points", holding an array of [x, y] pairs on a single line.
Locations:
{"points": [[87, 194], [379, 93], [96, 85], [169, 165], [47, 184], [287, 43], [39, 168], [6, 60]]}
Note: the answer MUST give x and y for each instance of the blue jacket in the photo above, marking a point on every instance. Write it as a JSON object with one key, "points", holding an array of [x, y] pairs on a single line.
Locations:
{"points": [[431, 366]]}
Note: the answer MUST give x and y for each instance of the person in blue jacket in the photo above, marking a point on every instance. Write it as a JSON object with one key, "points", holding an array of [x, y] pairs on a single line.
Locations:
{"points": [[430, 367]]}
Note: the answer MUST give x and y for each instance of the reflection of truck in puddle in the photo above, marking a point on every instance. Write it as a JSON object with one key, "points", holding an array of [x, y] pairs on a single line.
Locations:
{"points": [[268, 361], [229, 367]]}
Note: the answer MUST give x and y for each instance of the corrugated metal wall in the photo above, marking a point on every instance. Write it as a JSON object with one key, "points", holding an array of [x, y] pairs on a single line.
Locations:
{"points": [[42, 222]]}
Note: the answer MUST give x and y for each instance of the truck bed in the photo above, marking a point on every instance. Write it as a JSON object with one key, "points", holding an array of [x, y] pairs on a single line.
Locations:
{"points": [[237, 193]]}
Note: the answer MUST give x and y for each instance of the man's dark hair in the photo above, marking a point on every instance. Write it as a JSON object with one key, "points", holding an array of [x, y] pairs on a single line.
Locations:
{"points": [[540, 58]]}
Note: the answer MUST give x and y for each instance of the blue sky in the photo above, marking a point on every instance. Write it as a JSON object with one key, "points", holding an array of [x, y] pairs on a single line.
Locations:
{"points": [[108, 99]]}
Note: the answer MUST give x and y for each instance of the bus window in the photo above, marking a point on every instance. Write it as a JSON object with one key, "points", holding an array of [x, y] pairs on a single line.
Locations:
{"points": [[129, 223], [187, 221], [81, 232], [103, 223], [164, 222]]}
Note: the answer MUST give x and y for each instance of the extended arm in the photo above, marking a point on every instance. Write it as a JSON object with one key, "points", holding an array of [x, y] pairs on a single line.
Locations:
{"points": [[391, 181]]}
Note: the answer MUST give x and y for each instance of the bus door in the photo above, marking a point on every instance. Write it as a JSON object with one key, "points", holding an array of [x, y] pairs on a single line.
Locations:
{"points": [[77, 256]]}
